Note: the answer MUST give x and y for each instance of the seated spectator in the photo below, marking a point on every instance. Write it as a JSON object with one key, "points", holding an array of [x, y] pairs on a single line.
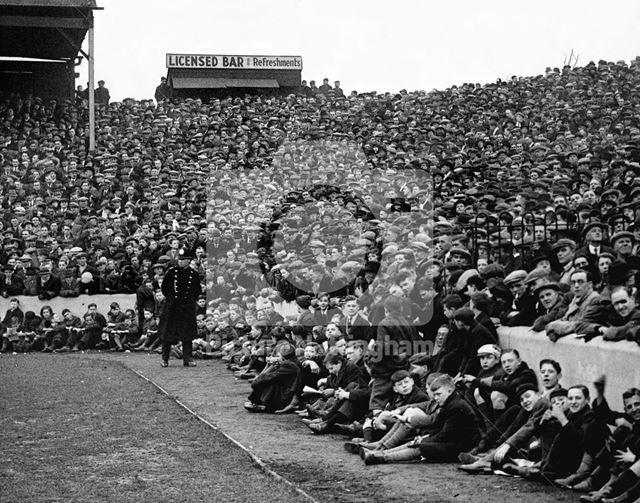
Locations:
{"points": [[405, 394], [454, 431], [410, 420], [580, 433], [497, 445], [502, 386], [597, 473], [553, 303], [343, 377], [586, 307], [474, 336], [275, 388], [489, 356]]}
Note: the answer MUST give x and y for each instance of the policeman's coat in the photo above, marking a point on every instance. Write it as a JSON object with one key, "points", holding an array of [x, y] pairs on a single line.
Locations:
{"points": [[181, 287]]}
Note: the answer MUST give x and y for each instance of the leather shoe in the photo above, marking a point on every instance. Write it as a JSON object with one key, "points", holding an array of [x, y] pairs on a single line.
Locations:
{"points": [[189, 363], [623, 498], [308, 421], [585, 486], [372, 457], [289, 409], [467, 458], [319, 428], [477, 468], [254, 407], [352, 447], [164, 363], [571, 480], [353, 430]]}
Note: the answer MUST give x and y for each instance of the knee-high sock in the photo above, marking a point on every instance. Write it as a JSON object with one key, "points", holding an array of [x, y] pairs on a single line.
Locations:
{"points": [[401, 454]]}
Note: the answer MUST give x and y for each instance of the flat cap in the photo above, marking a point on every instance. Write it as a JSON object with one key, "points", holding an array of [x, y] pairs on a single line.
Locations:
{"points": [[515, 276]]}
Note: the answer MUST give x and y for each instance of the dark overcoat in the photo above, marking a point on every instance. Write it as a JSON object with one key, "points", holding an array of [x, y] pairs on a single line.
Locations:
{"points": [[181, 287]]}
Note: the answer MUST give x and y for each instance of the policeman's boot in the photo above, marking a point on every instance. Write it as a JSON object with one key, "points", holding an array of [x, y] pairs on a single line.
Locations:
{"points": [[187, 354]]}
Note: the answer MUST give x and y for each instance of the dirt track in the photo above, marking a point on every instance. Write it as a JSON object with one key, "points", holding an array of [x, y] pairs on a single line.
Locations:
{"points": [[318, 465]]}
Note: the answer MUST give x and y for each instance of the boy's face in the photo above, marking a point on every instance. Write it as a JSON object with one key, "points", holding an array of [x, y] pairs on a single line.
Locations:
{"points": [[334, 368], [549, 375], [351, 308], [528, 399], [310, 352], [202, 302], [404, 387], [487, 362], [210, 324], [353, 354], [148, 315], [441, 394]]}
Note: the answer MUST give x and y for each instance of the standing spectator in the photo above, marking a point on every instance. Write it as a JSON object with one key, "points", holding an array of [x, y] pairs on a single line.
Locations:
{"points": [[163, 91], [393, 348], [325, 87], [101, 94]]}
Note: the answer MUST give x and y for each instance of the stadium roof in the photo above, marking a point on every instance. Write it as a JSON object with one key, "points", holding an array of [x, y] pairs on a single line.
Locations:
{"points": [[45, 29]]}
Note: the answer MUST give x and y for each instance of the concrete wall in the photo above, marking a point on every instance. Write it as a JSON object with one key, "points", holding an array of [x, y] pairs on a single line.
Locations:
{"points": [[77, 305], [581, 362]]}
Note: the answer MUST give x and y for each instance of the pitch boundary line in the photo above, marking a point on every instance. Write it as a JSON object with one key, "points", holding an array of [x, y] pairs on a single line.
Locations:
{"points": [[256, 459]]}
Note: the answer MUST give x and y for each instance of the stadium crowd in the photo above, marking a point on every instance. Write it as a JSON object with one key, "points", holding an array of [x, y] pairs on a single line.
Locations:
{"points": [[356, 253]]}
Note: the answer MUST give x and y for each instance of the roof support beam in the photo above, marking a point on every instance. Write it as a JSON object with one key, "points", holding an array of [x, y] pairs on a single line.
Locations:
{"points": [[44, 22]]}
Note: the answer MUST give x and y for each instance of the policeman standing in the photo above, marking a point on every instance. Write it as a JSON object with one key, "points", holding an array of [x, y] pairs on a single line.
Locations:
{"points": [[181, 287]]}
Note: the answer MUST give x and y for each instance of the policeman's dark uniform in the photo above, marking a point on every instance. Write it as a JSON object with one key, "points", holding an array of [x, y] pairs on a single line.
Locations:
{"points": [[181, 287]]}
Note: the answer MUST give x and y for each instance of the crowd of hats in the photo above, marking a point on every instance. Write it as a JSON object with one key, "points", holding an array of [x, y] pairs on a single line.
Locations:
{"points": [[417, 177]]}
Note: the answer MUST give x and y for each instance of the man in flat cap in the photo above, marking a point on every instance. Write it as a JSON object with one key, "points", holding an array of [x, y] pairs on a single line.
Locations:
{"points": [[565, 250], [181, 288], [101, 94], [622, 243], [552, 301], [523, 309]]}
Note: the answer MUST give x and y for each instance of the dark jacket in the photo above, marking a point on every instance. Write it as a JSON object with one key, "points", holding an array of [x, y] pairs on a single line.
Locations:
{"points": [[508, 384], [416, 396], [393, 345], [276, 387], [358, 329], [474, 339], [485, 320], [555, 313], [348, 373], [455, 424]]}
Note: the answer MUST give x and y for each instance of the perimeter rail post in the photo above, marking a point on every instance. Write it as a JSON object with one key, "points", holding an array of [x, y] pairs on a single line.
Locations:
{"points": [[92, 102]]}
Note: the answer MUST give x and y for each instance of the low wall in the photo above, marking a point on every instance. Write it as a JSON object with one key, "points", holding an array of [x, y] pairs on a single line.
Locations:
{"points": [[77, 305], [581, 362]]}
